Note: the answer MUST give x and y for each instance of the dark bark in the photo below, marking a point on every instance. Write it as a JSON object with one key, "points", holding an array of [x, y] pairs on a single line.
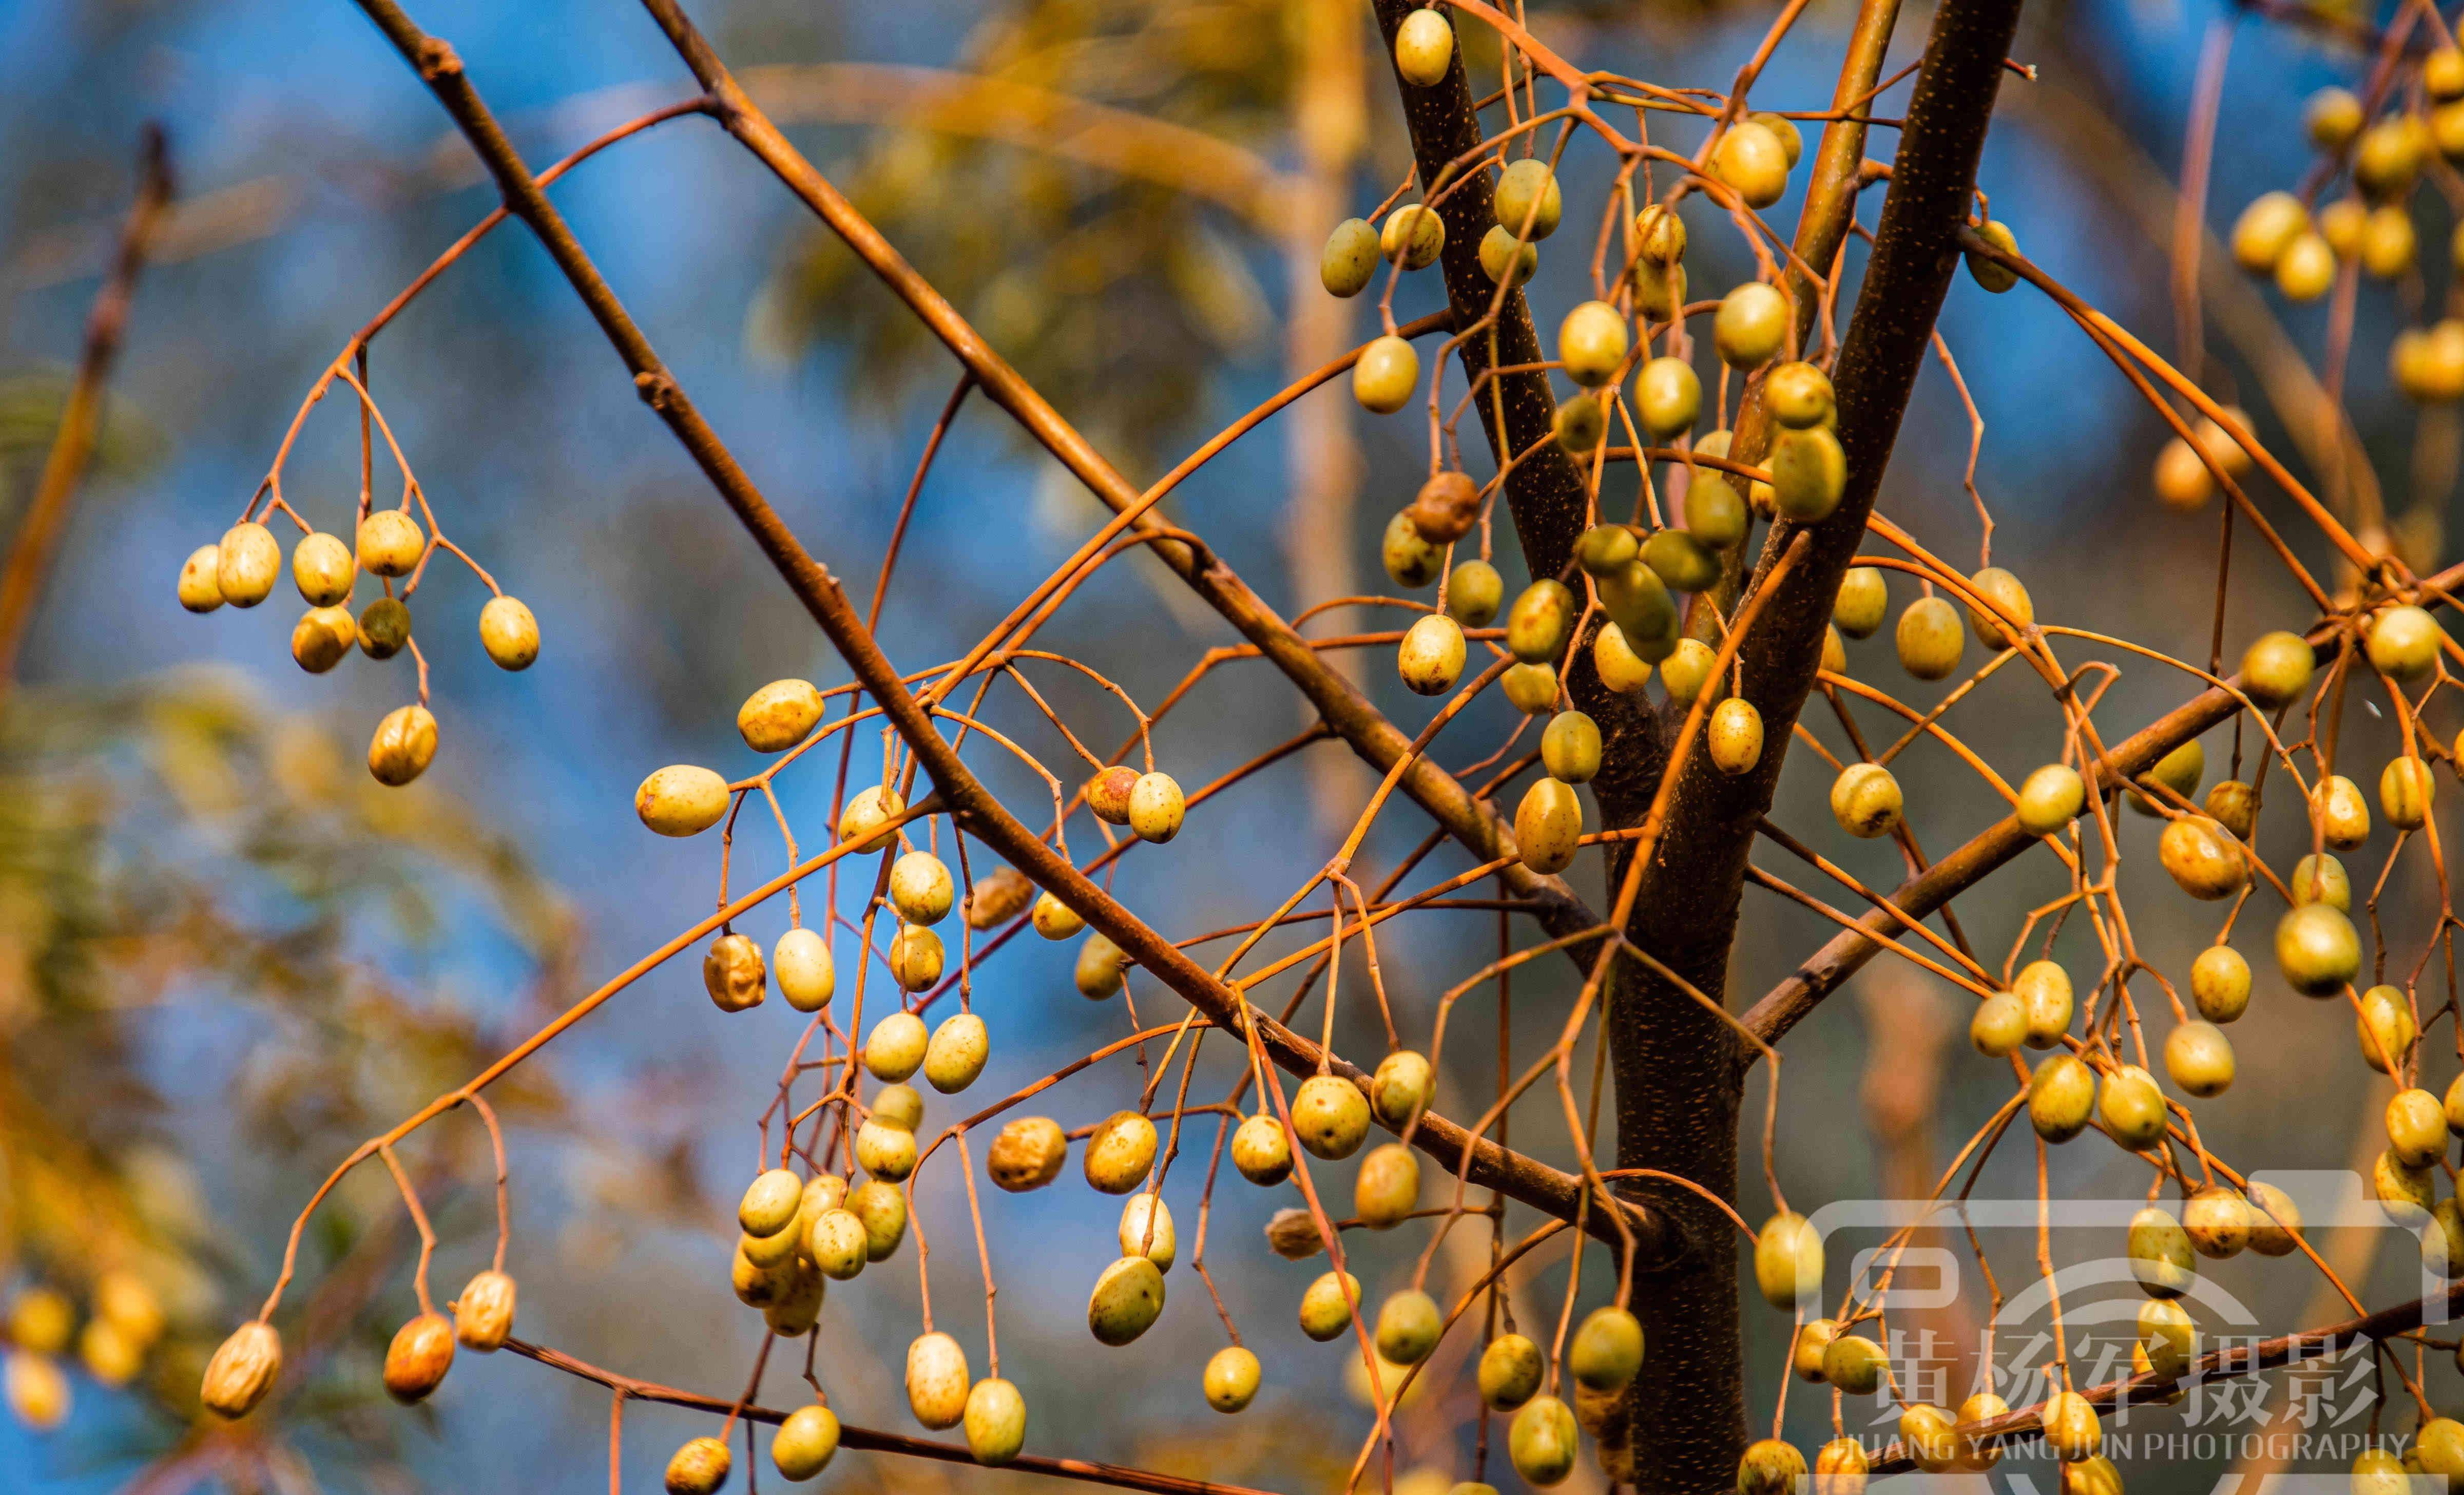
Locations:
{"points": [[1546, 493], [1676, 1065]]}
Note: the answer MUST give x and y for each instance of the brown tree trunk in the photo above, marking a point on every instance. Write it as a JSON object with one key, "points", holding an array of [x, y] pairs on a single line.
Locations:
{"points": [[1677, 1064]]}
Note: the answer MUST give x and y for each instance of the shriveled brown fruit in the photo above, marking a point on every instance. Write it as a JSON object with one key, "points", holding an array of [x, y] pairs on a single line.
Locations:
{"points": [[1445, 508]]}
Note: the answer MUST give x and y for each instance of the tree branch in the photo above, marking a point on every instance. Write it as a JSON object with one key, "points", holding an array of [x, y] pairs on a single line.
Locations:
{"points": [[38, 536], [1795, 999], [971, 805], [872, 1440], [2218, 1365], [1475, 824]]}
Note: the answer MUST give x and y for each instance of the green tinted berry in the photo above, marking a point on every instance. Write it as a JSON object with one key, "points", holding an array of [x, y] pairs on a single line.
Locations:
{"points": [[1349, 259], [2160, 1254], [1387, 374], [2131, 1106], [1411, 562], [2060, 1095], [1668, 397], [1591, 342], [2220, 983], [1683, 563], [1412, 236], [1526, 189], [1864, 602], [1506, 259], [1994, 277], [1474, 592], [1715, 514], [1537, 624], [1569, 748], [1750, 326], [2049, 798], [1808, 474]]}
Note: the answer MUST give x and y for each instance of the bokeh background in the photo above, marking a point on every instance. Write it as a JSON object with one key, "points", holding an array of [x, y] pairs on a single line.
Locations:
{"points": [[225, 955]]}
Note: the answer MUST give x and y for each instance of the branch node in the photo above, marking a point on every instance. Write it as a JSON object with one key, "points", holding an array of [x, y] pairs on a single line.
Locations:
{"points": [[657, 391], [437, 60]]}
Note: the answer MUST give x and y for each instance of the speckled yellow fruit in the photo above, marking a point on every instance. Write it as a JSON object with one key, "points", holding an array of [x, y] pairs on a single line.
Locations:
{"points": [[1349, 259], [1548, 826], [1542, 1441], [1119, 1153], [1028, 1154], [2061, 1094], [1770, 1467], [1607, 1349], [1998, 1025], [1511, 1369], [2131, 1106], [2044, 991], [2161, 1258], [390, 543], [1840, 1467], [1262, 1151], [2343, 816], [2383, 1029], [2321, 878], [247, 564], [866, 819], [2217, 1223], [1412, 236], [1330, 1116], [200, 587], [1102, 968], [2220, 983], [1431, 656], [2179, 771], [403, 747], [2202, 859], [698, 1469], [936, 1380], [1425, 47], [324, 569], [322, 638], [2010, 602], [1735, 736], [1527, 200], [2416, 1127], [2073, 1431], [1865, 801], [1929, 639], [957, 1054]]}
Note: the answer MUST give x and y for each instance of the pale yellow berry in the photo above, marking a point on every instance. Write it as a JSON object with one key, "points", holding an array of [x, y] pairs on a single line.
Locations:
{"points": [[390, 543], [681, 799]]}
